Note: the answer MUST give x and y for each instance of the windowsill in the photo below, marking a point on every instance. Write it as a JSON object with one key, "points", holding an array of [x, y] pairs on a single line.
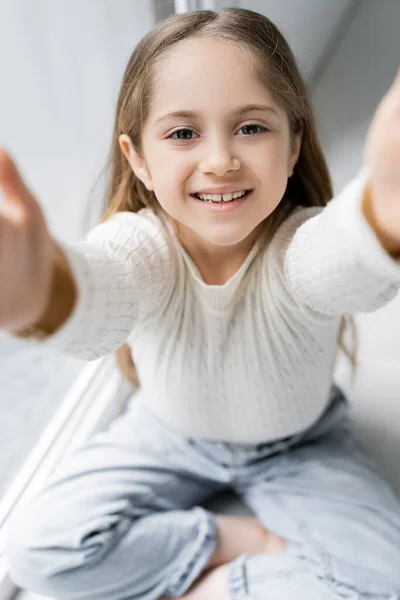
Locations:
{"points": [[88, 407]]}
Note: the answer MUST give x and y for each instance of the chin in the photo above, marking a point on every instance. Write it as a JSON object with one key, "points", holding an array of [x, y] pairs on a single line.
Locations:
{"points": [[230, 235], [226, 240]]}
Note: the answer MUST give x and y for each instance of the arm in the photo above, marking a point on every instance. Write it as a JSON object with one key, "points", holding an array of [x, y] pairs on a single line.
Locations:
{"points": [[61, 302], [331, 260], [347, 258], [85, 299], [120, 275]]}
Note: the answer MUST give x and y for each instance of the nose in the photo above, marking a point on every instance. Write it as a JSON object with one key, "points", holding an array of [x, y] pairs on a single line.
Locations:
{"points": [[218, 158]]}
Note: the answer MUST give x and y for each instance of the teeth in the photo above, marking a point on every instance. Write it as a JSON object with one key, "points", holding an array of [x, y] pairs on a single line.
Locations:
{"points": [[220, 197]]}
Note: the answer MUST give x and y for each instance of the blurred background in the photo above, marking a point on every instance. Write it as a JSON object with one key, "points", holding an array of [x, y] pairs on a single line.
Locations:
{"points": [[61, 64]]}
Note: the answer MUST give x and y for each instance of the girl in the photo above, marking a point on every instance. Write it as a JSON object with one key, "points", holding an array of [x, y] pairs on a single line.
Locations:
{"points": [[225, 269]]}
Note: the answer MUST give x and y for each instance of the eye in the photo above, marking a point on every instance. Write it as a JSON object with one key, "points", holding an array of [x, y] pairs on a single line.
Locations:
{"points": [[187, 130], [181, 139], [254, 125]]}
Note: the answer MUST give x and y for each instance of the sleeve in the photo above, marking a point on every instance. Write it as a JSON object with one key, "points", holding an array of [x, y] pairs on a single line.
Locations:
{"points": [[123, 274], [331, 260]]}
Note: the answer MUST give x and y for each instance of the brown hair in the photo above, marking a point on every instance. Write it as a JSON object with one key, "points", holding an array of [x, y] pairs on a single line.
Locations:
{"points": [[268, 51]]}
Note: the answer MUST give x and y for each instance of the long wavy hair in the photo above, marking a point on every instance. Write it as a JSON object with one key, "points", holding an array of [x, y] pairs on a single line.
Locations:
{"points": [[270, 55]]}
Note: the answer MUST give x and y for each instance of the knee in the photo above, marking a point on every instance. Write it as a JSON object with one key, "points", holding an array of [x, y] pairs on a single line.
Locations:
{"points": [[45, 543], [49, 546], [22, 532]]}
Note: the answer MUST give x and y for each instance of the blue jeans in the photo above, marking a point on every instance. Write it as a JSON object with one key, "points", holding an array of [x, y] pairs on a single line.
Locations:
{"points": [[121, 518]]}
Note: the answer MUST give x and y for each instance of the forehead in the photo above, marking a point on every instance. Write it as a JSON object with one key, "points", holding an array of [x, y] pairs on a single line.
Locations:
{"points": [[206, 75]]}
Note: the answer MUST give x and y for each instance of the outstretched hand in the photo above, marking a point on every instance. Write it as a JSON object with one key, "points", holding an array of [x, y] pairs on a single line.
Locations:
{"points": [[382, 159], [26, 251]]}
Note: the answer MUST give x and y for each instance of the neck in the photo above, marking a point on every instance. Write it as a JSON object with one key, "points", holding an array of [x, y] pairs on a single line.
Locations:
{"points": [[216, 264]]}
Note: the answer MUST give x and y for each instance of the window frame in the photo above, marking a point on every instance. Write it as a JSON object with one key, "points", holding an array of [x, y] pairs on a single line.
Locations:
{"points": [[96, 398]]}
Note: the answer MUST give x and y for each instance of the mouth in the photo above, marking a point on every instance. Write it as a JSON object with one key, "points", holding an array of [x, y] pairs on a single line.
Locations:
{"points": [[221, 198]]}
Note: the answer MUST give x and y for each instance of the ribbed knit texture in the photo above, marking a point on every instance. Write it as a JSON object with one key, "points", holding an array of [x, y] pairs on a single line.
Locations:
{"points": [[251, 360]]}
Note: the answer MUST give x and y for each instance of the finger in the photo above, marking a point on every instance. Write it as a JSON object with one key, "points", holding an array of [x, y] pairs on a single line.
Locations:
{"points": [[14, 213], [12, 183]]}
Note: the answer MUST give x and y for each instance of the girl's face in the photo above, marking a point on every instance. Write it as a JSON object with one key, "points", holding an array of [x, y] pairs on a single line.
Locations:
{"points": [[229, 132]]}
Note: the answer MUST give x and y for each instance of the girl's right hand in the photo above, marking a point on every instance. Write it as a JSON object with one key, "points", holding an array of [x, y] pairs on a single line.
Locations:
{"points": [[26, 252]]}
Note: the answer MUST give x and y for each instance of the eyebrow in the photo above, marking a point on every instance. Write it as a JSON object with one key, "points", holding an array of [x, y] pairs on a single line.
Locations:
{"points": [[237, 112]]}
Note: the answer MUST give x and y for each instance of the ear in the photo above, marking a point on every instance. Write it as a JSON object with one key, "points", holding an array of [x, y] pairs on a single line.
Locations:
{"points": [[137, 163], [295, 153]]}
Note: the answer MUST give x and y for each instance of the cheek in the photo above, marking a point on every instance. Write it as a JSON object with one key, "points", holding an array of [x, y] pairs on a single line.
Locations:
{"points": [[272, 166], [273, 157], [172, 173]]}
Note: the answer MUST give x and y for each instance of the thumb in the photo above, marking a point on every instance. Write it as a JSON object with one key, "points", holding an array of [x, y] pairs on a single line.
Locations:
{"points": [[16, 195]]}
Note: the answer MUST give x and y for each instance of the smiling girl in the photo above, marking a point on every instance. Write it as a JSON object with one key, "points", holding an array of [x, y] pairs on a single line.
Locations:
{"points": [[226, 269]]}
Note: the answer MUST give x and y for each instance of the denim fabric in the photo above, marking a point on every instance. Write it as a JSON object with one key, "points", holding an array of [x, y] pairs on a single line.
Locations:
{"points": [[121, 518]]}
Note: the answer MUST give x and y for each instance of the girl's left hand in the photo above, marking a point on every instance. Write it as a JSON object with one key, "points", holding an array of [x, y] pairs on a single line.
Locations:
{"points": [[382, 159]]}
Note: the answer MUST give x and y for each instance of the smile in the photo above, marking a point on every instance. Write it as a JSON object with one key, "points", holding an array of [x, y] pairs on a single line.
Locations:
{"points": [[221, 198]]}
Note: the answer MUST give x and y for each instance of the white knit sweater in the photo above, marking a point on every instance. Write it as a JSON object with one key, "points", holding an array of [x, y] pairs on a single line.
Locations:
{"points": [[248, 361]]}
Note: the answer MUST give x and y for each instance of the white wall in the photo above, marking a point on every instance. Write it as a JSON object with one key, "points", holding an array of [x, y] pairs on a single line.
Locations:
{"points": [[308, 25], [61, 63], [346, 96]]}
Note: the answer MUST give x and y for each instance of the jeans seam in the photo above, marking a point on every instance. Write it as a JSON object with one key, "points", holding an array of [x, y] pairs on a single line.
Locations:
{"points": [[237, 583], [238, 580], [206, 538]]}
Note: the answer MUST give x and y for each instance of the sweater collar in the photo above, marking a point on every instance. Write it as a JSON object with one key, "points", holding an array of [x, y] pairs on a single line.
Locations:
{"points": [[215, 298]]}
